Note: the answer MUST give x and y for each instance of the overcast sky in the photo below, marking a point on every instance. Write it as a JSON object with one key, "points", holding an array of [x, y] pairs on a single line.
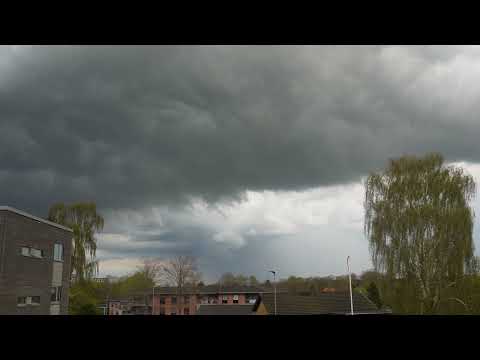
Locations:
{"points": [[249, 158]]}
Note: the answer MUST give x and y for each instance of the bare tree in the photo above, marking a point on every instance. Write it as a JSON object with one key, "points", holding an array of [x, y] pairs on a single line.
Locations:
{"points": [[151, 269], [179, 272]]}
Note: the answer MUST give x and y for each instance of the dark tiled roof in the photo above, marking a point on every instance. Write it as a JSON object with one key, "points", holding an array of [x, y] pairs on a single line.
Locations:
{"points": [[324, 303], [211, 289], [225, 310]]}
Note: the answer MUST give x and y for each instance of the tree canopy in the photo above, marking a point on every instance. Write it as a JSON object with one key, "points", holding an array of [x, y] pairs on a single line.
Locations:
{"points": [[419, 225], [84, 220]]}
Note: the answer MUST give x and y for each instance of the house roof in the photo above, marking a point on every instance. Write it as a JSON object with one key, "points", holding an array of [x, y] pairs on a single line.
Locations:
{"points": [[224, 309], [324, 303], [210, 289], [22, 213]]}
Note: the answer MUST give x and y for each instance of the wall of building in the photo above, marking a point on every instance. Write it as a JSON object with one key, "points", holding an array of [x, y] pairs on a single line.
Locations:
{"points": [[168, 307], [27, 276]]}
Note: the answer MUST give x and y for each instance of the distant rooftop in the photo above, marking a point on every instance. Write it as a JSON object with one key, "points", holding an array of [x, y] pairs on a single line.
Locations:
{"points": [[211, 289], [23, 213], [223, 309], [324, 303]]}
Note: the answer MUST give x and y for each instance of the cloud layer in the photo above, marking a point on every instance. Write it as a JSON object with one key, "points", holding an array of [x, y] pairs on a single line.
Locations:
{"points": [[186, 129], [137, 126]]}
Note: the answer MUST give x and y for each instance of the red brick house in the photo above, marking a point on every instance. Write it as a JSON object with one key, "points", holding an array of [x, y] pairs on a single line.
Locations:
{"points": [[168, 302]]}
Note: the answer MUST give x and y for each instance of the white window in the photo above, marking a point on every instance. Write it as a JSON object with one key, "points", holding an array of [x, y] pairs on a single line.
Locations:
{"points": [[35, 253], [224, 299], [25, 251], [32, 252], [235, 299], [28, 300], [58, 252], [56, 294]]}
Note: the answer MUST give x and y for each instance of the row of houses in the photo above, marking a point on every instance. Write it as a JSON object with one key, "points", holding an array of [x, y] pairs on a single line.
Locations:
{"points": [[240, 300]]}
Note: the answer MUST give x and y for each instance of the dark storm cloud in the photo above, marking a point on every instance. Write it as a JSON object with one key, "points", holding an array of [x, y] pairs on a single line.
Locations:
{"points": [[131, 127]]}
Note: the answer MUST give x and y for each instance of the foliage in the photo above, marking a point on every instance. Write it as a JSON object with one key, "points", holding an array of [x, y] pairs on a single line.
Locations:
{"points": [[374, 295], [419, 225], [84, 220], [88, 309], [151, 269], [83, 299], [229, 279]]}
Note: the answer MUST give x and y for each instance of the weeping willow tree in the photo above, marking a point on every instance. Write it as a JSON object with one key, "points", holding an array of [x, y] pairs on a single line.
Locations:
{"points": [[419, 225], [84, 220]]}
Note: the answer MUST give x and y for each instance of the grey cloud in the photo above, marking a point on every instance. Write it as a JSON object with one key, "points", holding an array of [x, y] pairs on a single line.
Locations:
{"points": [[133, 126], [136, 127]]}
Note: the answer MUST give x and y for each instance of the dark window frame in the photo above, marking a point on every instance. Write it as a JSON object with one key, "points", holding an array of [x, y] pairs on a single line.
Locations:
{"points": [[35, 302], [62, 258], [22, 300], [56, 294]]}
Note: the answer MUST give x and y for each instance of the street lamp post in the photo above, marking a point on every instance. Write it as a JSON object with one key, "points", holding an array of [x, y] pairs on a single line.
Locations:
{"points": [[274, 290], [350, 285]]}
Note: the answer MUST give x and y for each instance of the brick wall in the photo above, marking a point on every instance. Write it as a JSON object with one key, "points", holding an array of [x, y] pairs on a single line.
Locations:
{"points": [[27, 276], [193, 303]]}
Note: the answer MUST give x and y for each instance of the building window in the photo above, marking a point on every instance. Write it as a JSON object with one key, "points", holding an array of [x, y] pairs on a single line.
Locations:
{"points": [[22, 300], [32, 252], [162, 311], [173, 313], [162, 300], [56, 294], [235, 299], [35, 300], [186, 311], [36, 253], [224, 299], [174, 299], [28, 300], [58, 252]]}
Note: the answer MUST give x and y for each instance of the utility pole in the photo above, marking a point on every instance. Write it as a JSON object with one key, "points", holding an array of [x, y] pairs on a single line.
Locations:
{"points": [[350, 285], [274, 290]]}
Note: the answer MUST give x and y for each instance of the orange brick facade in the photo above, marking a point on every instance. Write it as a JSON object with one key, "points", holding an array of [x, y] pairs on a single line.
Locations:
{"points": [[188, 304]]}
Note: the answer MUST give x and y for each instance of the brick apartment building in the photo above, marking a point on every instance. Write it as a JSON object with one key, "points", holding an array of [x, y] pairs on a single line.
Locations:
{"points": [[167, 302], [34, 264], [135, 305]]}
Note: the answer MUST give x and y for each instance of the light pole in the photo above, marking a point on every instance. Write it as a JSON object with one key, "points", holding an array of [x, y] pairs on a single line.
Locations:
{"points": [[274, 290], [350, 285]]}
